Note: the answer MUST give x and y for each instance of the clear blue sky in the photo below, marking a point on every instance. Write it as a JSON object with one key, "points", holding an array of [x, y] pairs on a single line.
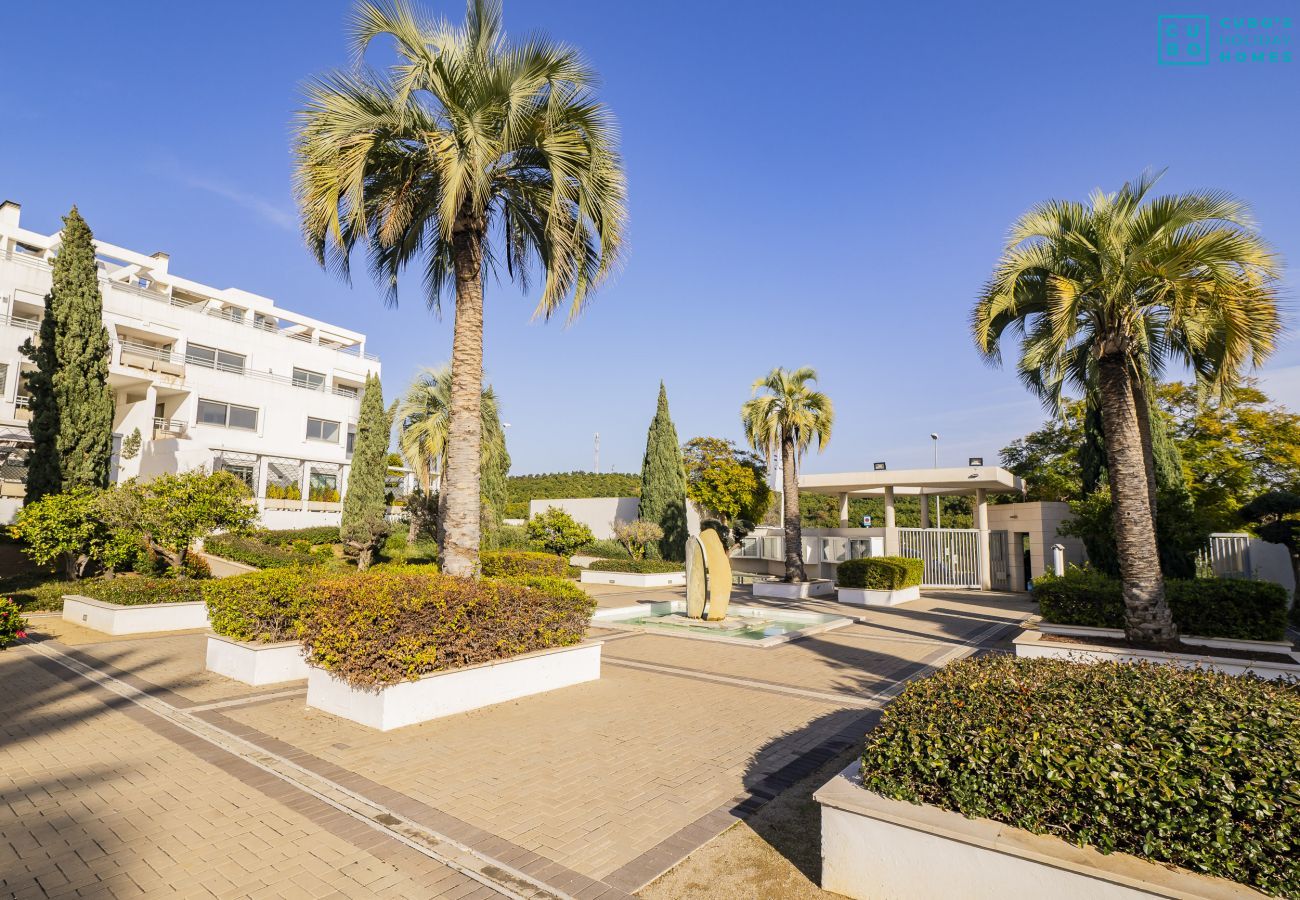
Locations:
{"points": [[810, 184]]}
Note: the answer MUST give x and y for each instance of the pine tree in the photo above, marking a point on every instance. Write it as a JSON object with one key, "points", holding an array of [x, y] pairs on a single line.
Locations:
{"points": [[663, 482], [43, 472], [364, 526]]}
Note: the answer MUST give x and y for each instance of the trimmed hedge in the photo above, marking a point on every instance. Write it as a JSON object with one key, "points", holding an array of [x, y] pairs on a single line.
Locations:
{"points": [[1188, 767], [253, 552], [260, 606], [382, 627], [1205, 607], [880, 573], [314, 536], [636, 566], [135, 590], [511, 563]]}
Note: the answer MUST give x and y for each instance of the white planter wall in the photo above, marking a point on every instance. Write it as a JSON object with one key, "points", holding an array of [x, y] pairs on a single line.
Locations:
{"points": [[795, 590], [1030, 644], [254, 663], [114, 618], [866, 597], [441, 694], [874, 847], [634, 579]]}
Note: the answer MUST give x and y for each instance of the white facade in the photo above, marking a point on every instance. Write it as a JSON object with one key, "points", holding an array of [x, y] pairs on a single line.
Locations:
{"points": [[213, 378]]}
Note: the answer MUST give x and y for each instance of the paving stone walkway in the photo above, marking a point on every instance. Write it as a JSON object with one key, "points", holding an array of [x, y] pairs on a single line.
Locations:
{"points": [[128, 770]]}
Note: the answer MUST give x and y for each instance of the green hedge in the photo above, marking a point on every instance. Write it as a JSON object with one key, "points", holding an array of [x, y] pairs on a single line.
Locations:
{"points": [[385, 626], [134, 590], [880, 573], [604, 549], [314, 536], [637, 566], [1187, 767], [253, 552], [1206, 607], [510, 563], [259, 606]]}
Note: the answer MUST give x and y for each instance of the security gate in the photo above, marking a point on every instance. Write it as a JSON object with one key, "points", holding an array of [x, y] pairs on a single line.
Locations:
{"points": [[951, 555], [1000, 570]]}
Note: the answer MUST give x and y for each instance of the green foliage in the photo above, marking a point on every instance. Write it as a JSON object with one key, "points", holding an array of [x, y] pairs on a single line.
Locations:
{"points": [[727, 481], [1048, 459], [635, 536], [136, 590], [663, 482], [565, 485], [1204, 607], [637, 566], [131, 444], [880, 573], [259, 606], [64, 528], [419, 552], [1275, 517], [314, 536], [364, 523], [604, 549], [388, 625], [1190, 768], [172, 511], [12, 624], [555, 531], [251, 551], [514, 563], [509, 537], [44, 474]]}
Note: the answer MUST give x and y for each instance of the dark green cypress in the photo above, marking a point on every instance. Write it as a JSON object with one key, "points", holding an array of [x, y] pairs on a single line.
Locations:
{"points": [[663, 482], [43, 472], [364, 526]]}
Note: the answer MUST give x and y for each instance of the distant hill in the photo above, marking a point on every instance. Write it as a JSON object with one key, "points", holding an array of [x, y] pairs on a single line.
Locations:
{"points": [[558, 485]]}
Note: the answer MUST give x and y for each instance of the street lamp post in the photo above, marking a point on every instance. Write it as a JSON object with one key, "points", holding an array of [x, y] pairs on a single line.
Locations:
{"points": [[938, 506]]}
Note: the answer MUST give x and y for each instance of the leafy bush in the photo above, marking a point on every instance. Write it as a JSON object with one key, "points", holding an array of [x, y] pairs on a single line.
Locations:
{"points": [[259, 606], [508, 537], [880, 573], [65, 528], [314, 536], [637, 566], [253, 552], [635, 536], [604, 549], [1187, 767], [514, 563], [389, 624], [555, 531], [136, 590], [12, 624], [1206, 607]]}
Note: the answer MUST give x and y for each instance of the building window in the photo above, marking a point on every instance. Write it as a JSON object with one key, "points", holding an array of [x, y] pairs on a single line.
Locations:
{"points": [[322, 430], [352, 438], [212, 358], [305, 378], [323, 487], [228, 415], [264, 322], [346, 390], [4, 377]]}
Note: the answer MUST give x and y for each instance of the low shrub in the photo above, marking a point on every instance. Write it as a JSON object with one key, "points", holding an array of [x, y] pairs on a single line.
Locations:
{"points": [[251, 551], [636, 566], [316, 535], [1185, 767], [604, 549], [510, 563], [388, 625], [508, 537], [38, 591], [1206, 607], [880, 573], [259, 606], [12, 624], [135, 590]]}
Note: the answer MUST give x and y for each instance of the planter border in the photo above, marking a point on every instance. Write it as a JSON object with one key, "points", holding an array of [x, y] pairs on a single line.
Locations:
{"points": [[255, 663], [1030, 643], [616, 616], [1075, 864], [871, 597], [1224, 643], [134, 618], [634, 579], [811, 589]]}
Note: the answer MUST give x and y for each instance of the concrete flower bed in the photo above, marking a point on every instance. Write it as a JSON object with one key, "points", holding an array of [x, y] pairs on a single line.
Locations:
{"points": [[795, 590], [256, 663], [868, 597], [439, 694], [139, 618], [1032, 645], [634, 579]]}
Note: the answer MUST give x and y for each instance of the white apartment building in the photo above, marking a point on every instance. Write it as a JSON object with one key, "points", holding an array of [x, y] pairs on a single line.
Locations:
{"points": [[213, 378]]}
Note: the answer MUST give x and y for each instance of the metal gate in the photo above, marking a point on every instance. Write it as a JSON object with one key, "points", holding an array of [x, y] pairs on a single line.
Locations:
{"points": [[951, 555], [1000, 570]]}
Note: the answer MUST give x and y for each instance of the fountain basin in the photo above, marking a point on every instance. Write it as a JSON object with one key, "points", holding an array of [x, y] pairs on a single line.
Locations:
{"points": [[748, 626]]}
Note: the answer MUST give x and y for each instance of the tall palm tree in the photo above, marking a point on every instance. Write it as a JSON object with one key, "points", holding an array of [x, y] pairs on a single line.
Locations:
{"points": [[468, 152], [1103, 296], [787, 417]]}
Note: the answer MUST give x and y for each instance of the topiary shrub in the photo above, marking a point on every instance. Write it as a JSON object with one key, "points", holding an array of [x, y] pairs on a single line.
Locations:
{"points": [[880, 573], [510, 563], [259, 606], [1185, 767], [392, 624], [636, 566], [136, 590], [1205, 607]]}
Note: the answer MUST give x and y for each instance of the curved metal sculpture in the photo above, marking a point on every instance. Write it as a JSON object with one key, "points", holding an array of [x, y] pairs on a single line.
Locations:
{"points": [[696, 579], [719, 574]]}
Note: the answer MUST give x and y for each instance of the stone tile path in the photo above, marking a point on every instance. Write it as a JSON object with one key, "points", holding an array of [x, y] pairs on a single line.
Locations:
{"points": [[126, 769]]}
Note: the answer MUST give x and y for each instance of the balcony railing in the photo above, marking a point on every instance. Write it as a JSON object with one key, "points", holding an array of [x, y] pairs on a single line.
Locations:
{"points": [[24, 322], [169, 428], [22, 402]]}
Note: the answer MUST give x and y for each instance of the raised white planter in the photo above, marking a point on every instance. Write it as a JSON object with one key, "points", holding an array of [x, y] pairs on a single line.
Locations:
{"points": [[1118, 633], [114, 618], [441, 694], [795, 590], [1031, 644], [874, 847], [254, 663], [634, 579], [867, 597]]}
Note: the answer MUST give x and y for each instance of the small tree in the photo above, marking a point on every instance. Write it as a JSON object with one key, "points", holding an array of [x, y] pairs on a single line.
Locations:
{"points": [[63, 528], [634, 536], [1276, 517], [556, 532], [364, 525], [663, 482], [728, 482]]}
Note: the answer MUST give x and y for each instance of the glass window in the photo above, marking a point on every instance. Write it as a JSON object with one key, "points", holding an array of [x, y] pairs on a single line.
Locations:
{"points": [[230, 362], [212, 413], [323, 430], [308, 379], [4, 377], [243, 417], [243, 472], [352, 437], [200, 355]]}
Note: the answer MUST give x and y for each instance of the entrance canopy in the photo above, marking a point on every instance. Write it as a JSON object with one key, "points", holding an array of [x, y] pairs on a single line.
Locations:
{"points": [[913, 482]]}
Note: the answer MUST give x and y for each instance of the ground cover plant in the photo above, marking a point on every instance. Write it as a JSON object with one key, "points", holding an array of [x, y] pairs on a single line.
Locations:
{"points": [[1205, 607], [392, 624], [635, 566], [259, 606], [135, 590], [880, 573], [512, 563], [1187, 767]]}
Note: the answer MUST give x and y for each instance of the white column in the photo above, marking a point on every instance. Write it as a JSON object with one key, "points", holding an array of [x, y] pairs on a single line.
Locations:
{"points": [[844, 509], [982, 523], [891, 531], [924, 503]]}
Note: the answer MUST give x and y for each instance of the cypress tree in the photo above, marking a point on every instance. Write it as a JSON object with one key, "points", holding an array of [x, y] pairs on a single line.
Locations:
{"points": [[663, 482], [72, 404], [364, 526]]}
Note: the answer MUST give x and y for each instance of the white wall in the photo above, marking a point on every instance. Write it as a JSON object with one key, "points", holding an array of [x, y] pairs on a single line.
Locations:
{"points": [[597, 513]]}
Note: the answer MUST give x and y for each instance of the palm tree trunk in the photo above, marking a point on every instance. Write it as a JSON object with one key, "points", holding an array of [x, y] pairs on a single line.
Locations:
{"points": [[794, 570], [1146, 615], [1142, 401], [460, 476]]}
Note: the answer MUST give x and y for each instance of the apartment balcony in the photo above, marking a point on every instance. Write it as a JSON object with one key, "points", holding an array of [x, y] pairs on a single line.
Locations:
{"points": [[150, 359], [26, 323], [23, 408], [165, 429]]}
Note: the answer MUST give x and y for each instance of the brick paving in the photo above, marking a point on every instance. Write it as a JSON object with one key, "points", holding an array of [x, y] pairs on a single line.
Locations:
{"points": [[592, 791]]}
